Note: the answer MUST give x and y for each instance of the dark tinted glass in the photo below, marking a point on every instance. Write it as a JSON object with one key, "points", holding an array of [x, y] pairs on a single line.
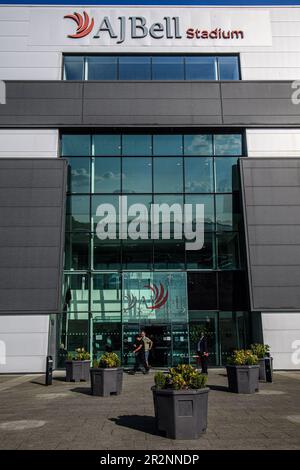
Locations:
{"points": [[169, 254], [228, 250], [204, 258], [167, 68], [78, 213], [107, 254], [77, 251], [232, 290], [137, 254], [200, 68], [228, 212], [74, 68], [209, 213], [202, 291], [134, 68], [102, 68]]}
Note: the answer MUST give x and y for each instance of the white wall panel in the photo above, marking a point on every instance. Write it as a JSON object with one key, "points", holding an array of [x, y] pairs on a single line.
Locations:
{"points": [[273, 142], [282, 333], [26, 343], [28, 143]]}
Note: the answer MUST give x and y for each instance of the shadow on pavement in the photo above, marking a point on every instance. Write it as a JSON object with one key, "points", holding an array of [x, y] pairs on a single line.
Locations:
{"points": [[137, 422], [83, 390], [220, 388]]}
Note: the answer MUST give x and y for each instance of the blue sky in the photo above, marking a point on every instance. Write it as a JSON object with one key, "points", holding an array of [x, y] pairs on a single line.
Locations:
{"points": [[152, 2]]}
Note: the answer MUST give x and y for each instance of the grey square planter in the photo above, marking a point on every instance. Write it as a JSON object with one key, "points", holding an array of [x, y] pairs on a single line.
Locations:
{"points": [[243, 379], [181, 414], [265, 369], [77, 371], [104, 382]]}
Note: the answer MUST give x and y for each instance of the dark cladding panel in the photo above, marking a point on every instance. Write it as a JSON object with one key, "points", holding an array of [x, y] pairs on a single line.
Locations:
{"points": [[32, 221], [271, 188]]}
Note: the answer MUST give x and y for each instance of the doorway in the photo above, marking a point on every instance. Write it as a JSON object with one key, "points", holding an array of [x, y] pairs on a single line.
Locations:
{"points": [[161, 352]]}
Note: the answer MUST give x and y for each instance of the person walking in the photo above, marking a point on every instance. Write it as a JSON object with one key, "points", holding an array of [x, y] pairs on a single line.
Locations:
{"points": [[202, 351], [148, 344], [139, 352]]}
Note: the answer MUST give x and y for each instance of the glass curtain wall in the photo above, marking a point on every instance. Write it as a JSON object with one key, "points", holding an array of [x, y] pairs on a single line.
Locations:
{"points": [[148, 168]]}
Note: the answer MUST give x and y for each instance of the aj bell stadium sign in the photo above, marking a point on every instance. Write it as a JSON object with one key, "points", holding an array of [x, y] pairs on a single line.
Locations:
{"points": [[135, 26]]}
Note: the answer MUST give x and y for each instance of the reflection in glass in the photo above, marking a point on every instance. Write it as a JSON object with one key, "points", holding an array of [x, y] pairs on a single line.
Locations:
{"points": [[137, 254], [107, 175], [137, 144], [78, 213], [137, 175], [106, 336], [168, 175], [227, 212], [169, 254], [113, 201], [107, 144], [78, 175], [107, 253], [200, 68], [106, 295], [73, 145], [167, 144], [76, 294], [77, 251], [228, 250], [199, 144], [228, 144], [102, 67], [227, 175], [208, 323], [205, 257], [209, 213], [198, 175]]}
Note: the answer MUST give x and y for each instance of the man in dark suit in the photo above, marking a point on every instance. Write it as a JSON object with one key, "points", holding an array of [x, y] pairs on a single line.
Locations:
{"points": [[202, 351]]}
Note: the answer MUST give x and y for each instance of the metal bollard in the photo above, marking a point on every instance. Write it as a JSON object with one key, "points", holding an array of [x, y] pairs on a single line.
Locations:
{"points": [[49, 370]]}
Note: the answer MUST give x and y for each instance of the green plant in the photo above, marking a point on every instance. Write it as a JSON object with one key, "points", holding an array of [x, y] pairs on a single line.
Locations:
{"points": [[243, 357], [80, 355], [260, 350], [181, 377], [109, 360]]}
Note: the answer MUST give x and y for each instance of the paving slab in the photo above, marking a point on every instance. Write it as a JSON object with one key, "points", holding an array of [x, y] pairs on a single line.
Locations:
{"points": [[74, 419]]}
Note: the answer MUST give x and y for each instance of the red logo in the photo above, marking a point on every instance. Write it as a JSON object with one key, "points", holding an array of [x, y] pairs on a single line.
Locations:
{"points": [[160, 296], [84, 26]]}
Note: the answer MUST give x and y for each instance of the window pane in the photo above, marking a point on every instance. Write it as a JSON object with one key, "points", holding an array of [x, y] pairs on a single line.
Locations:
{"points": [[102, 68], [228, 250], [233, 290], [106, 336], [228, 212], [167, 68], [228, 144], [74, 68], [77, 251], [113, 213], [107, 144], [228, 68], [108, 175], [174, 222], [204, 258], [76, 293], [74, 145], [198, 145], [198, 175], [134, 68], [202, 291], [200, 68], [79, 175], [106, 293], [137, 175], [107, 254], [137, 144], [168, 175], [137, 254], [209, 213], [169, 254], [78, 213], [167, 144], [227, 175]]}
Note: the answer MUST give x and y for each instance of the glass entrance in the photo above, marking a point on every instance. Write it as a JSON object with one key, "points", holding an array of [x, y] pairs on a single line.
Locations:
{"points": [[157, 303]]}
